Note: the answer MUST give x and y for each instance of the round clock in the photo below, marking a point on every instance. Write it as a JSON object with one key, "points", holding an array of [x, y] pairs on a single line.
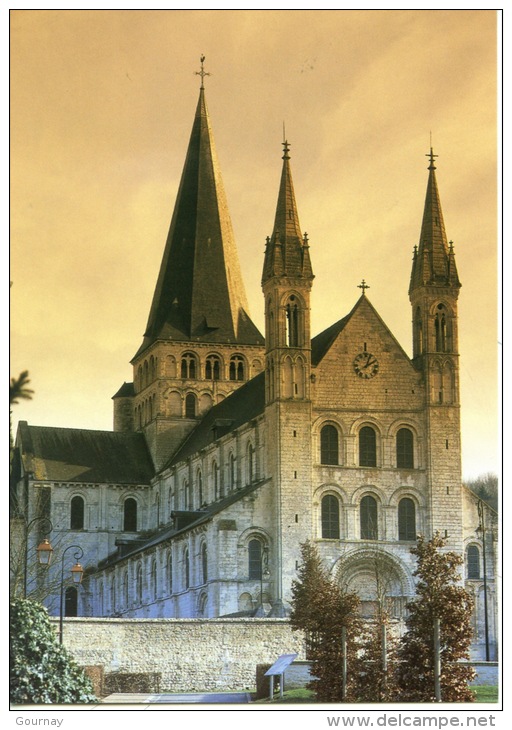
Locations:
{"points": [[366, 365]]}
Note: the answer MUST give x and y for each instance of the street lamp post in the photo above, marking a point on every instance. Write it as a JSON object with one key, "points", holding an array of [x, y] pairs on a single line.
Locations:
{"points": [[481, 528], [76, 573], [44, 550]]}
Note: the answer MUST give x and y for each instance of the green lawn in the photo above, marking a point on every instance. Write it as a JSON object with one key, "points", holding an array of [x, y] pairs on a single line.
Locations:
{"points": [[483, 693]]}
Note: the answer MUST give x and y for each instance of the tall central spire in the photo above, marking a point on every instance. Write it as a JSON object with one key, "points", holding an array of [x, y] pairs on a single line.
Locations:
{"points": [[199, 293]]}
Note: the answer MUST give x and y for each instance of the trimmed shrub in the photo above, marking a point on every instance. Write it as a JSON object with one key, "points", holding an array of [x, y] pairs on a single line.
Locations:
{"points": [[41, 670]]}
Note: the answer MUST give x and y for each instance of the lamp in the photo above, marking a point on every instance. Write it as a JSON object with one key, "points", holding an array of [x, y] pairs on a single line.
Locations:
{"points": [[44, 550], [77, 573]]}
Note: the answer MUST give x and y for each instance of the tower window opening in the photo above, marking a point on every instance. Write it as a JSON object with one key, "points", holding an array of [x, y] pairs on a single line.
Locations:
{"points": [[292, 321], [188, 366], [212, 370], [329, 446]]}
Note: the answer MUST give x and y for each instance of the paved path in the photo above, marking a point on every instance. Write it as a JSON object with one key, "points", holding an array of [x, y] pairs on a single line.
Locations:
{"points": [[199, 698]]}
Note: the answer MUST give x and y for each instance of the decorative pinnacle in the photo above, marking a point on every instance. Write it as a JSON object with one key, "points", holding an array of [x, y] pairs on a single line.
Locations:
{"points": [[202, 73], [432, 156], [364, 286], [286, 149]]}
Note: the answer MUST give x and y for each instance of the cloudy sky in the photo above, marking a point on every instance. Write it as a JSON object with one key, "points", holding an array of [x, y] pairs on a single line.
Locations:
{"points": [[102, 104]]}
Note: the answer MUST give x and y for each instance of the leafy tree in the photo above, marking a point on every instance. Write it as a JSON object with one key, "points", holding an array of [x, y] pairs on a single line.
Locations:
{"points": [[323, 610], [439, 595], [41, 670], [485, 486], [375, 679]]}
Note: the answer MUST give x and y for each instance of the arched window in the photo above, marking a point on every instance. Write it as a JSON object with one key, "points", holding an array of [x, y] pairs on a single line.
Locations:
{"points": [[292, 323], [440, 324], [77, 513], [169, 572], [190, 406], [329, 445], [188, 366], [71, 601], [404, 449], [130, 515], [200, 489], [215, 476], [473, 562], [255, 555], [154, 586], [406, 519], [368, 518], [367, 447], [330, 517], [212, 370], [138, 584], [113, 594], [418, 333], [186, 561], [201, 606], [251, 470], [236, 368], [232, 471], [186, 495], [125, 588], [204, 562]]}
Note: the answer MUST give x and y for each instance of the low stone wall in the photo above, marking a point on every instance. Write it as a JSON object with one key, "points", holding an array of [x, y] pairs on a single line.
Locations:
{"points": [[189, 654]]}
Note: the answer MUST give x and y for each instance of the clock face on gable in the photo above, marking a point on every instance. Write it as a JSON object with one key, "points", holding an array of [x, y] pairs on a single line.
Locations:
{"points": [[366, 365]]}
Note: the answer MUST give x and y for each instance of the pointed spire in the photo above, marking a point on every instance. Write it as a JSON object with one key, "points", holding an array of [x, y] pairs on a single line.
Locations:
{"points": [[199, 293], [433, 263], [287, 252]]}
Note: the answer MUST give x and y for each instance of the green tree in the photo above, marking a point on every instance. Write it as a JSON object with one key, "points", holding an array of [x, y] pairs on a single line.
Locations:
{"points": [[485, 487], [439, 595], [325, 613], [41, 670], [375, 679]]}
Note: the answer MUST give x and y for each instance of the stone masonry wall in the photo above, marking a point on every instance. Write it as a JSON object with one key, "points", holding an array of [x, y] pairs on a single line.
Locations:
{"points": [[191, 654]]}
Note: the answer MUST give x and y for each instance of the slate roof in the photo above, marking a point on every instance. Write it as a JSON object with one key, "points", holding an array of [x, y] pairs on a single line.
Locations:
{"points": [[199, 294], [195, 519], [246, 403], [78, 455]]}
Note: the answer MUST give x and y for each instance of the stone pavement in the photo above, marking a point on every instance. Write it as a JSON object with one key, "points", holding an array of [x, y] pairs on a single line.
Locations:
{"points": [[221, 698]]}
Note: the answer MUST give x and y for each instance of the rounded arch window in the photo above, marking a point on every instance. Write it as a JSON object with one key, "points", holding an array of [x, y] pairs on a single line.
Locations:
{"points": [[330, 517], [404, 449], [71, 601], [212, 369], [130, 515], [204, 562], [77, 513], [329, 445], [255, 553], [189, 366], [186, 561], [406, 519], [367, 446], [237, 368], [473, 562], [190, 406], [368, 518]]}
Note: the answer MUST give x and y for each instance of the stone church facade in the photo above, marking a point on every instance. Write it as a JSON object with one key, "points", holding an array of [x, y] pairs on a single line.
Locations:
{"points": [[232, 447]]}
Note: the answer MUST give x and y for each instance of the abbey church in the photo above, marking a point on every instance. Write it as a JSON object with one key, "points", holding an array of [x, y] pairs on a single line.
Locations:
{"points": [[231, 446]]}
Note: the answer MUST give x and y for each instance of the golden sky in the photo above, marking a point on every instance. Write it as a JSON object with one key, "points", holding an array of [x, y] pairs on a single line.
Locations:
{"points": [[102, 104]]}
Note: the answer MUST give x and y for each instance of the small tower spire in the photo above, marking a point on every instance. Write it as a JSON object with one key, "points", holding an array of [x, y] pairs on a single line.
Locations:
{"points": [[287, 252], [431, 265]]}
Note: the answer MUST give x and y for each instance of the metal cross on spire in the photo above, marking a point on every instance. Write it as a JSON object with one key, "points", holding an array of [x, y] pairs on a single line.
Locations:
{"points": [[364, 286], [202, 73], [432, 157]]}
